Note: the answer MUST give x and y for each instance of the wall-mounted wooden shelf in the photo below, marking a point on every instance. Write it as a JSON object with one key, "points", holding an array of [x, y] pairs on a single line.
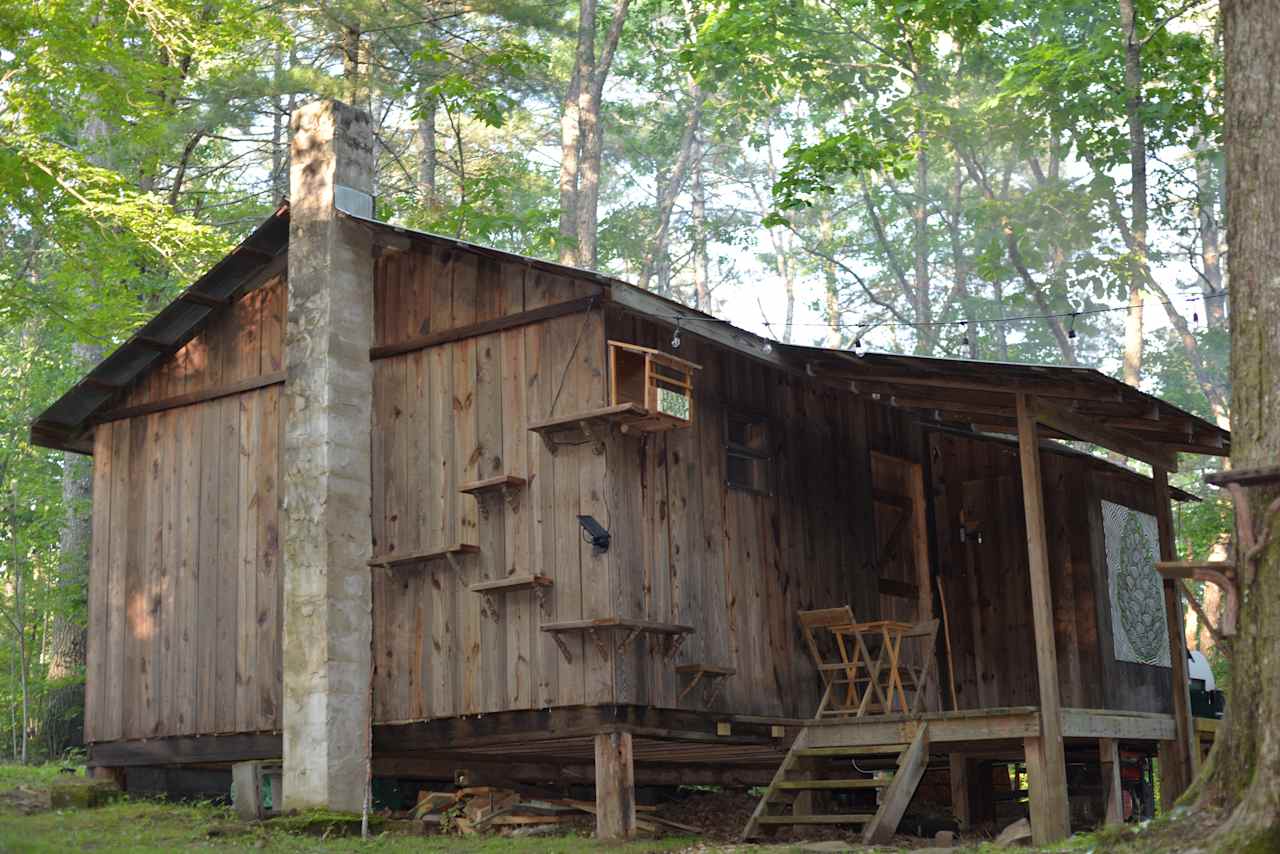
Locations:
{"points": [[672, 634], [593, 425], [714, 675], [512, 583], [506, 486], [452, 553]]}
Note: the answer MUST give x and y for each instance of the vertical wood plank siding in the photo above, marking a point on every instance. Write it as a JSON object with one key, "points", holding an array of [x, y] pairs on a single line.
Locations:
{"points": [[975, 486], [185, 581], [184, 635]]}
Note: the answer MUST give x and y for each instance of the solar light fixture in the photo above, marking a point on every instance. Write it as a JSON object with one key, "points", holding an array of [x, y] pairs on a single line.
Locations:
{"points": [[595, 533]]}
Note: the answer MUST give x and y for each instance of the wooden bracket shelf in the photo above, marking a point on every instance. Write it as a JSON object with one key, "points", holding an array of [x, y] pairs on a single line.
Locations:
{"points": [[506, 485], [715, 676], [673, 634], [452, 553], [537, 583], [594, 425]]}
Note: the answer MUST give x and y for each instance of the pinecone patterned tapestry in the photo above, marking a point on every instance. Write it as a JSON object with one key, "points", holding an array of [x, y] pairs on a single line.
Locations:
{"points": [[1137, 597]]}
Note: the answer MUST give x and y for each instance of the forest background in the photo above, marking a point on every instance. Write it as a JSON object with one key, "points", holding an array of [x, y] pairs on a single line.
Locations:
{"points": [[969, 178]]}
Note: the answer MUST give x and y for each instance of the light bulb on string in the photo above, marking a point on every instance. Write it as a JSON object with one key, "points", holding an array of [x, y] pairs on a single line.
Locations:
{"points": [[675, 336], [1071, 333]]}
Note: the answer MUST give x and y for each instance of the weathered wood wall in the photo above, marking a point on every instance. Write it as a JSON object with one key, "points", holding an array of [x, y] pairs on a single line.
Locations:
{"points": [[458, 412], [976, 486], [735, 564], [185, 584]]}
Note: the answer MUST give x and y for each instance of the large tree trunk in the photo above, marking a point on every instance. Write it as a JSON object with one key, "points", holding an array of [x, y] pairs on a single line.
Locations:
{"points": [[569, 150], [1133, 326], [1243, 772], [1211, 282]]}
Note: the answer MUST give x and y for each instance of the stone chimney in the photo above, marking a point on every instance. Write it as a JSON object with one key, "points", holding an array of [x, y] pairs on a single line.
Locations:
{"points": [[328, 399]]}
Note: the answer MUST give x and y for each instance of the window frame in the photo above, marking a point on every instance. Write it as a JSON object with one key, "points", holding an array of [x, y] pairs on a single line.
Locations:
{"points": [[762, 457]]}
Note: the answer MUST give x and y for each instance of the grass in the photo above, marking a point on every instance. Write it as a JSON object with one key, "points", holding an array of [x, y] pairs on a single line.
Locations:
{"points": [[142, 825]]}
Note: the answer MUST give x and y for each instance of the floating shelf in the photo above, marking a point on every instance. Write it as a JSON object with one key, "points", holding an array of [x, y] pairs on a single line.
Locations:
{"points": [[512, 583], [502, 483], [506, 485], [452, 552], [672, 633], [594, 425], [714, 674]]}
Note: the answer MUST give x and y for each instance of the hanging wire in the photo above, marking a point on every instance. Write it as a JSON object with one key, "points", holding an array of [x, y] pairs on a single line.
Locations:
{"points": [[899, 324]]}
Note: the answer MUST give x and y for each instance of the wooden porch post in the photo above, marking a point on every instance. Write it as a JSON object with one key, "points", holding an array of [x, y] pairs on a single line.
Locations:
{"points": [[1113, 797], [615, 787], [1179, 760], [1046, 759]]}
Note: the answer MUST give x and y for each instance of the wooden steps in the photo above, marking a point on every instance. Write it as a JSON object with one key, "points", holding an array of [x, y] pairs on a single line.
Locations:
{"points": [[815, 785], [806, 771], [849, 818]]}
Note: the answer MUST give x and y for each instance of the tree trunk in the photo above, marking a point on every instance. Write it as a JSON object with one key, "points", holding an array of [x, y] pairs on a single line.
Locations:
{"points": [[1211, 282], [926, 337], [1243, 771], [831, 286], [593, 72], [1133, 326], [670, 187], [569, 143], [698, 218], [427, 159]]}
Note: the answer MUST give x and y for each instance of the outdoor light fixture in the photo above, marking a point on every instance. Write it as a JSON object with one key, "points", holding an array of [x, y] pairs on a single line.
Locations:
{"points": [[594, 533]]}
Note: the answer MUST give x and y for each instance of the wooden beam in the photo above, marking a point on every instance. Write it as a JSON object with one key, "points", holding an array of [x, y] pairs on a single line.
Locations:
{"points": [[1050, 817], [238, 387], [960, 790], [1109, 755], [485, 327], [1185, 755], [197, 298], [1090, 430], [176, 750], [615, 787]]}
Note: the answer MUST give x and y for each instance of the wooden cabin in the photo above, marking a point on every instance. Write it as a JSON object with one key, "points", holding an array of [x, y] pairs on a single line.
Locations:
{"points": [[502, 415]]}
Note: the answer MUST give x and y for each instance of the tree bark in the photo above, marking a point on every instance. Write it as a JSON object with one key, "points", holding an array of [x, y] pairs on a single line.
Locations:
{"points": [[427, 158], [1243, 771], [698, 217], [569, 145], [593, 73], [1211, 281], [1138, 272]]}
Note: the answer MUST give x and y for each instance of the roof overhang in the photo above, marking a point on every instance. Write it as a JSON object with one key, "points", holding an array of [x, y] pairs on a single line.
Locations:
{"points": [[67, 424], [1070, 402]]}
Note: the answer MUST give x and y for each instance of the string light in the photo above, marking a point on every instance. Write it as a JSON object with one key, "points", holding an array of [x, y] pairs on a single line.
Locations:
{"points": [[899, 324], [1071, 333], [675, 337]]}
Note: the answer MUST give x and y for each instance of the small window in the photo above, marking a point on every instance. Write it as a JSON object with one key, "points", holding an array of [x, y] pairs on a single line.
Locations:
{"points": [[748, 452]]}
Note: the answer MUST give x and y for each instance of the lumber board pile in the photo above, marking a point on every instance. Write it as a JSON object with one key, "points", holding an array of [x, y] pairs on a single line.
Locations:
{"points": [[479, 809]]}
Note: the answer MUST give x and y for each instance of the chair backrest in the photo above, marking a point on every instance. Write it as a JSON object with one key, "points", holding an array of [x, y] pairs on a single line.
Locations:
{"points": [[825, 617], [919, 630], [822, 618]]}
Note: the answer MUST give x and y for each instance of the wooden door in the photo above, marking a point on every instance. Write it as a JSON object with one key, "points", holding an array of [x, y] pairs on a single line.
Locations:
{"points": [[901, 566], [997, 590]]}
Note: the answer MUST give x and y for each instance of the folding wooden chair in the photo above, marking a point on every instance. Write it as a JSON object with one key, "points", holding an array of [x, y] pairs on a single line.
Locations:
{"points": [[853, 669], [915, 677]]}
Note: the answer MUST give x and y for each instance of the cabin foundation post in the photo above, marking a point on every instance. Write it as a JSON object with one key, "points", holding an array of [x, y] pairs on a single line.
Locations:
{"points": [[1113, 797], [1178, 761], [1046, 755], [615, 786], [326, 538], [960, 807]]}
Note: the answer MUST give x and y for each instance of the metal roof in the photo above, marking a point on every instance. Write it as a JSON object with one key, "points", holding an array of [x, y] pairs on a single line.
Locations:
{"points": [[978, 393]]}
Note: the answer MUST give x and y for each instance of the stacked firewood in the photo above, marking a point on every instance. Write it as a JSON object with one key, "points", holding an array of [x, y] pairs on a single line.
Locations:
{"points": [[478, 809]]}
